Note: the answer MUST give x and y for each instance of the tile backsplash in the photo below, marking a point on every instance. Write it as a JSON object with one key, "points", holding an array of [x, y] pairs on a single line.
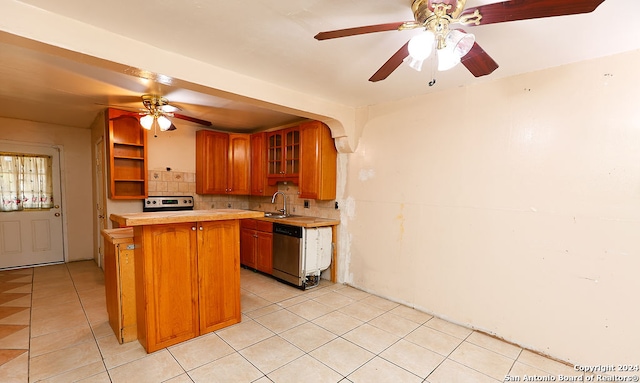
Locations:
{"points": [[169, 183]]}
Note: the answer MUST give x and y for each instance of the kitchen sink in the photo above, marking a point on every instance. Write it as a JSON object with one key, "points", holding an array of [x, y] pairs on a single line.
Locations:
{"points": [[276, 215]]}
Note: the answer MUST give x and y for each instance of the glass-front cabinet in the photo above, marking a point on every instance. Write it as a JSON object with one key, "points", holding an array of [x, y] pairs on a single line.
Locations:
{"points": [[283, 155]]}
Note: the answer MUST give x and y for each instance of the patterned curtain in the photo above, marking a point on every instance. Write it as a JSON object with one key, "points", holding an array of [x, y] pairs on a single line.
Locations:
{"points": [[25, 182]]}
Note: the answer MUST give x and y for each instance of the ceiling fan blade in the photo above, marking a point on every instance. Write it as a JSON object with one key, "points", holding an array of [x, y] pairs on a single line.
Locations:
{"points": [[192, 119], [531, 9], [478, 62], [363, 30], [391, 64], [172, 127]]}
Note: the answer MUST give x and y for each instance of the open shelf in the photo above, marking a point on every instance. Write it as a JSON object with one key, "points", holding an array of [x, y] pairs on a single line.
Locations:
{"points": [[127, 153]]}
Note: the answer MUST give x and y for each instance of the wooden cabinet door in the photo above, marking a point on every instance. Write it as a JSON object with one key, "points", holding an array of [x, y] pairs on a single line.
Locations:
{"points": [[292, 153], [248, 247], [238, 164], [275, 153], [283, 155], [259, 185], [211, 162], [264, 252], [166, 284], [317, 178], [219, 274]]}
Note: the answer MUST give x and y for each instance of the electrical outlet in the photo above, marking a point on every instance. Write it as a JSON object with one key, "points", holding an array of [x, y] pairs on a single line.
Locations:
{"points": [[336, 205], [306, 204]]}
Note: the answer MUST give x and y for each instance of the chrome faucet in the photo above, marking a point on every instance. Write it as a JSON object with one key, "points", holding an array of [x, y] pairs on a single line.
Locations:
{"points": [[284, 201]]}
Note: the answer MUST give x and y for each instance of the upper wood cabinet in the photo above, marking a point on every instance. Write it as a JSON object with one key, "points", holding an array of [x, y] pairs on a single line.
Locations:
{"points": [[283, 155], [222, 163], [259, 184], [317, 162], [127, 155]]}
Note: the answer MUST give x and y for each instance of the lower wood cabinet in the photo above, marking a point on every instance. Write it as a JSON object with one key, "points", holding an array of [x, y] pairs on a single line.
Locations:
{"points": [[187, 280], [119, 283], [256, 241]]}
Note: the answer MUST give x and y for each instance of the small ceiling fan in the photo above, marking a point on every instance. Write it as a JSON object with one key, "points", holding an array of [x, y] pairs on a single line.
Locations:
{"points": [[159, 110], [455, 46]]}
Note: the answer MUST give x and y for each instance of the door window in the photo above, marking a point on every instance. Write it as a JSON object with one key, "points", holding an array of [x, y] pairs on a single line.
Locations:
{"points": [[26, 181]]}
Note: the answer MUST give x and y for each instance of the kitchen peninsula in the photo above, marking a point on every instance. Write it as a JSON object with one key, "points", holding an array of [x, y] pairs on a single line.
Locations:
{"points": [[187, 272]]}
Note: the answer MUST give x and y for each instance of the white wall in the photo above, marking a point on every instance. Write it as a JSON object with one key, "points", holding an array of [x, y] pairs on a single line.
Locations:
{"points": [[512, 207], [76, 176]]}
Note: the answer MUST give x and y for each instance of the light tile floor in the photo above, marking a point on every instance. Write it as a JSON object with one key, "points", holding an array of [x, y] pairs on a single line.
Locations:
{"points": [[332, 333]]}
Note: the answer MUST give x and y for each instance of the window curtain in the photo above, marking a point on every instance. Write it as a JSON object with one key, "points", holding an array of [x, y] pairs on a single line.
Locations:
{"points": [[25, 182]]}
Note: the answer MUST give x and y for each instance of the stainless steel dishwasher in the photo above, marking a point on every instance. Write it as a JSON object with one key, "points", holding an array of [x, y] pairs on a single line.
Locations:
{"points": [[287, 254], [301, 254]]}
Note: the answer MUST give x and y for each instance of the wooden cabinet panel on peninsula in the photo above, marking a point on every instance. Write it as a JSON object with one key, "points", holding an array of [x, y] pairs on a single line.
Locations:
{"points": [[222, 163], [317, 162], [127, 155], [283, 155], [187, 280], [256, 240]]}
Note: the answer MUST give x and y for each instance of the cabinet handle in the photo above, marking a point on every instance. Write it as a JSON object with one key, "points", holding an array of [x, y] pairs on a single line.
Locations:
{"points": [[193, 228], [201, 228]]}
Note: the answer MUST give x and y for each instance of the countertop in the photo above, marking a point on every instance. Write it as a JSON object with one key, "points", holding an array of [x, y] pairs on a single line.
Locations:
{"points": [[302, 221], [120, 235], [158, 218]]}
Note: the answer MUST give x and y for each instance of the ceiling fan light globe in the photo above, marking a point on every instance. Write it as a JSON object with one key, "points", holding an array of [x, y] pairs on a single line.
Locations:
{"points": [[146, 121], [414, 63], [447, 59], [460, 41], [164, 123], [421, 45]]}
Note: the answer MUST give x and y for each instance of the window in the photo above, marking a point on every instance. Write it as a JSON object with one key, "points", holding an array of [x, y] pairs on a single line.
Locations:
{"points": [[25, 181]]}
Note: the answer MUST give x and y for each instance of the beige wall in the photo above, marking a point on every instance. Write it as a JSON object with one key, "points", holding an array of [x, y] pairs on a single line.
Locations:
{"points": [[512, 207], [76, 176]]}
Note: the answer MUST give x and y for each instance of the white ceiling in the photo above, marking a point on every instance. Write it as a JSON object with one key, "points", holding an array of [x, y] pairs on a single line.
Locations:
{"points": [[273, 41]]}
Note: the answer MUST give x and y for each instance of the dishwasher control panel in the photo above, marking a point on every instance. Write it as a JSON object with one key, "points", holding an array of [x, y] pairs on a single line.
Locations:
{"points": [[291, 231]]}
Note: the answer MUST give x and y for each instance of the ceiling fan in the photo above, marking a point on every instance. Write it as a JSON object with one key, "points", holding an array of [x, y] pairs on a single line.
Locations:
{"points": [[455, 46], [158, 110]]}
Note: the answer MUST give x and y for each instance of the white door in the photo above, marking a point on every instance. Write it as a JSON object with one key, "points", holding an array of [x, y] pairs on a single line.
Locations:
{"points": [[33, 237]]}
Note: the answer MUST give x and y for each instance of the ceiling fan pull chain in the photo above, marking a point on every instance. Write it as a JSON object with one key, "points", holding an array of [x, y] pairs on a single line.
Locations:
{"points": [[432, 82]]}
